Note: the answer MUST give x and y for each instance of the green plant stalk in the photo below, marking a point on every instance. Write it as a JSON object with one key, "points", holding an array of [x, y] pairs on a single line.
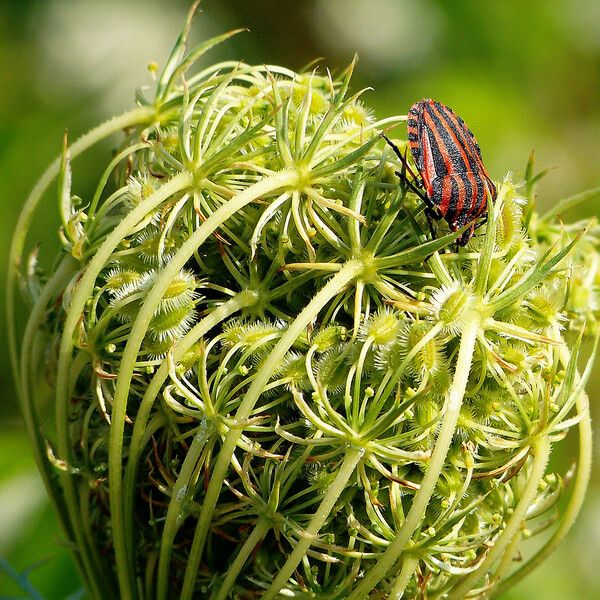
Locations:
{"points": [[59, 279], [356, 197], [505, 563], [85, 491], [148, 575], [485, 257], [351, 459], [258, 533], [91, 213], [439, 269], [138, 331], [422, 497], [62, 275], [575, 503], [87, 554], [540, 449], [138, 116], [385, 391], [38, 354], [139, 438], [180, 491], [339, 281], [80, 295], [409, 566]]}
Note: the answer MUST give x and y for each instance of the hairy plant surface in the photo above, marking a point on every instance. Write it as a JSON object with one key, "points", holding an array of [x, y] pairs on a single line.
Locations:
{"points": [[253, 373]]}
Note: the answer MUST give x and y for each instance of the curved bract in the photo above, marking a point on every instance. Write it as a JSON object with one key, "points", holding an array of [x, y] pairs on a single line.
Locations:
{"points": [[253, 373]]}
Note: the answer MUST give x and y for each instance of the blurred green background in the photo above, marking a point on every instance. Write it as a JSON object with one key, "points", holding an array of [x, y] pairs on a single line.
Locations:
{"points": [[523, 75]]}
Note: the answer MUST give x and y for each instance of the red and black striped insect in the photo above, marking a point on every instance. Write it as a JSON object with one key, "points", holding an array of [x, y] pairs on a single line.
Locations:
{"points": [[453, 180]]}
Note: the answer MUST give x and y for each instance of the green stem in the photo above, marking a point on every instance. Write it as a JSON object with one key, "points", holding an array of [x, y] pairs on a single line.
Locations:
{"points": [[482, 270], [181, 491], [86, 564], [385, 391], [347, 468], [82, 292], [48, 470], [540, 449], [137, 116], [91, 211], [438, 268], [507, 560], [258, 533], [59, 279], [573, 508], [139, 438], [438, 458], [123, 551], [337, 283], [409, 565], [356, 198]]}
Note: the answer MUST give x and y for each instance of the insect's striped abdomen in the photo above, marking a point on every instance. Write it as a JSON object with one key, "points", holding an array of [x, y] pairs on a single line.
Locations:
{"points": [[462, 198], [449, 162]]}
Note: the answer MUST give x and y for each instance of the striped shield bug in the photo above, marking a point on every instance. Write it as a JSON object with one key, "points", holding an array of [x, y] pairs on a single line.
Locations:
{"points": [[452, 179]]}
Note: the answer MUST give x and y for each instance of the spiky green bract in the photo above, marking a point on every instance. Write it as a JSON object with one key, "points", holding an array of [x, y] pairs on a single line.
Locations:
{"points": [[252, 373]]}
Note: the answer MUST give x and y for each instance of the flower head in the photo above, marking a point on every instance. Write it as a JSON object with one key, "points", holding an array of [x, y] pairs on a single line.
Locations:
{"points": [[350, 405]]}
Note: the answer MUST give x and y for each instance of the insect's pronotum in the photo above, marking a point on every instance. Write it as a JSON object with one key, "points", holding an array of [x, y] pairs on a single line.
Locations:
{"points": [[454, 179]]}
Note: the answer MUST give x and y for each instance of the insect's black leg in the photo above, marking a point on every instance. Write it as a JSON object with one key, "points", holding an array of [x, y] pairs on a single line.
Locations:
{"points": [[430, 214], [406, 167], [481, 222], [392, 146], [402, 157], [431, 210], [413, 188], [465, 238]]}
